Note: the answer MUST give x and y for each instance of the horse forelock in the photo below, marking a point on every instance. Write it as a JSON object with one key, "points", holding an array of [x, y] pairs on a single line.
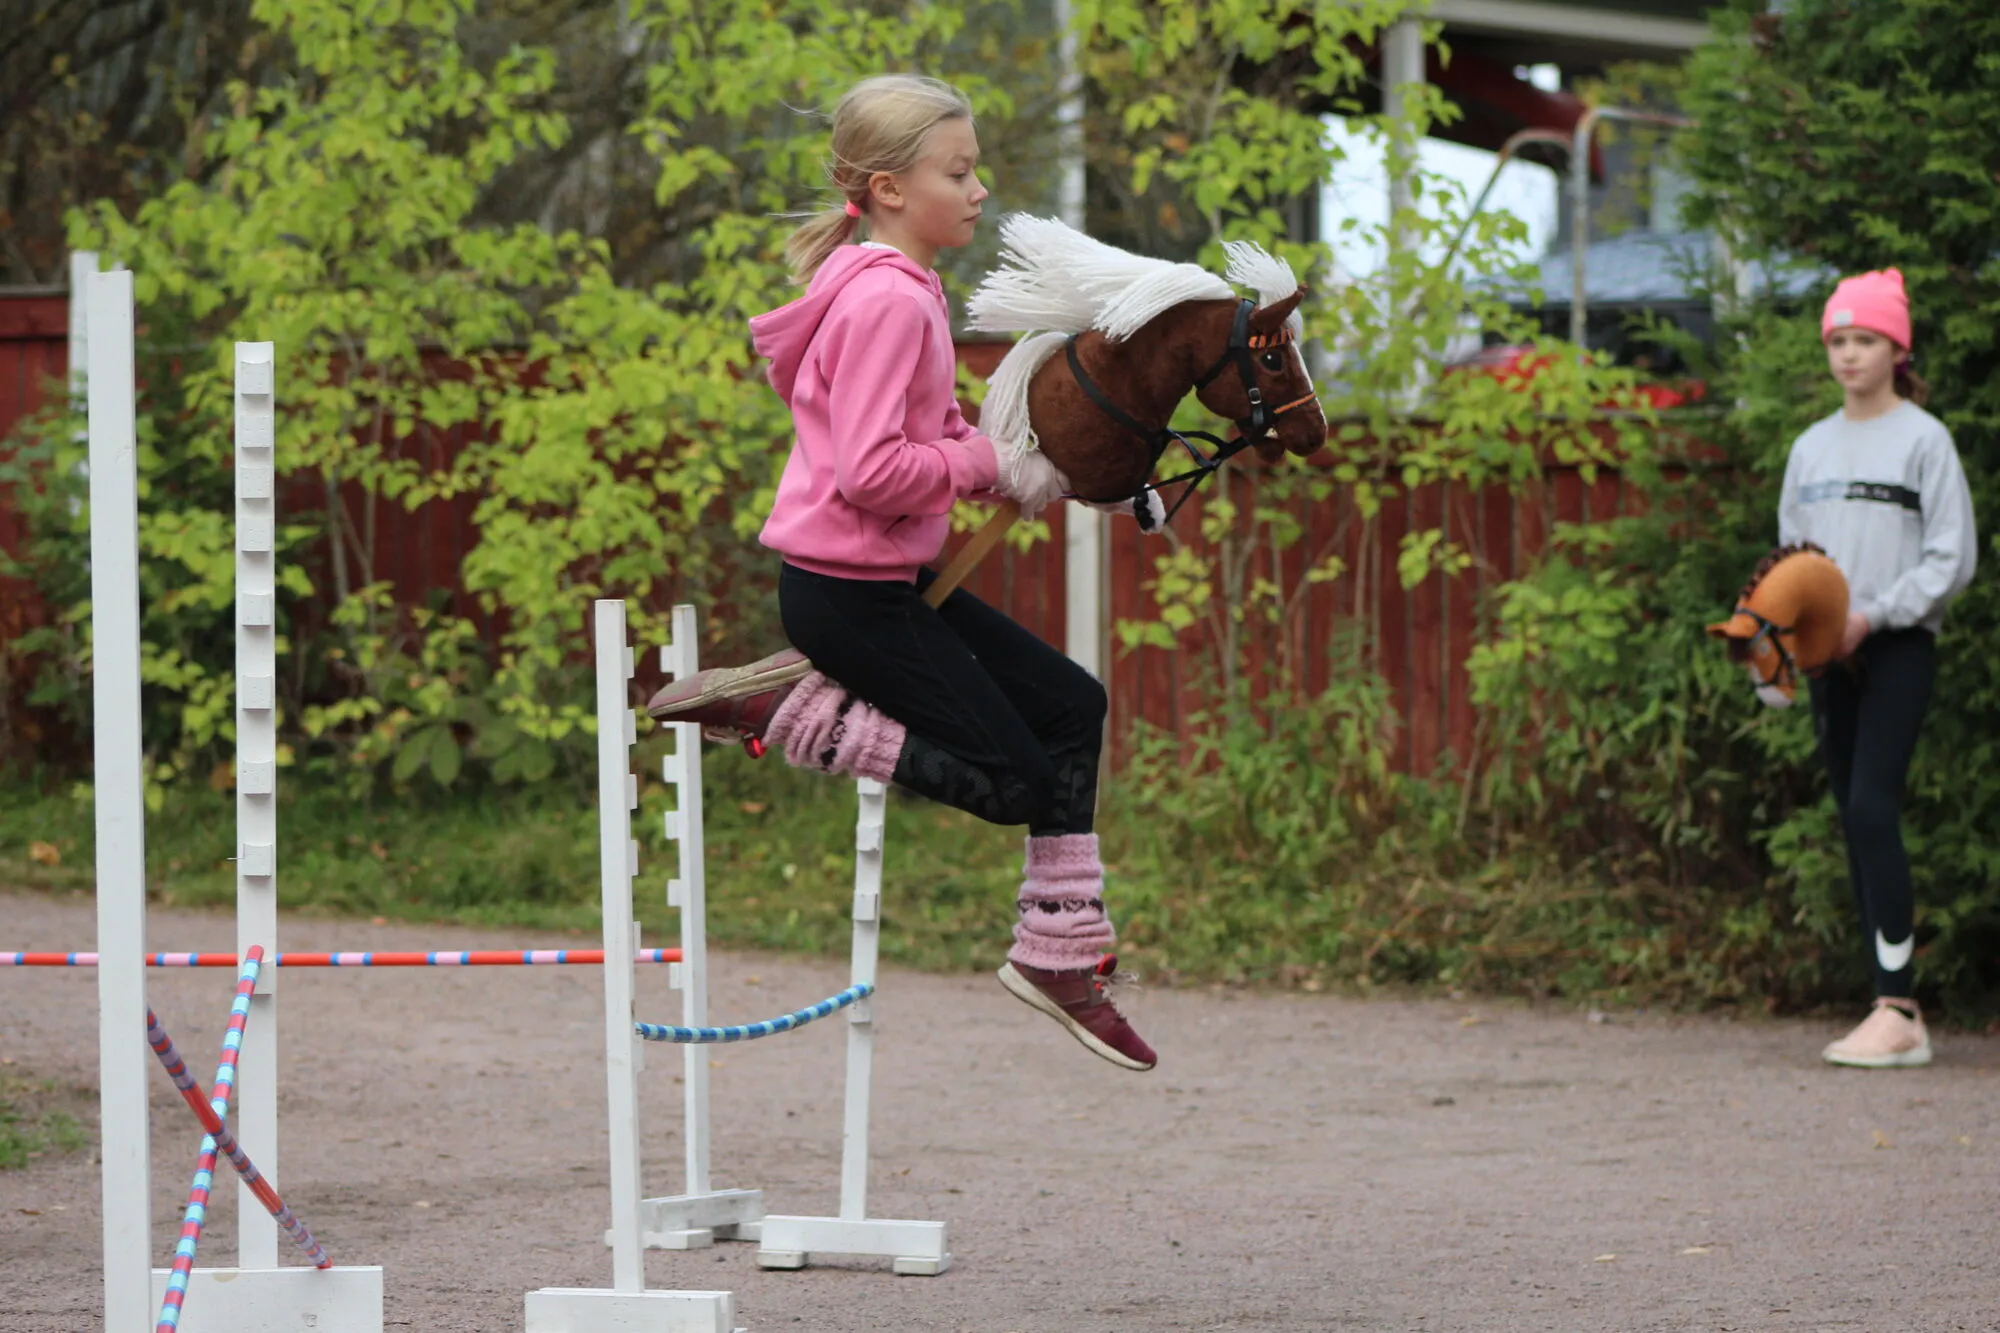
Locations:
{"points": [[1270, 276]]}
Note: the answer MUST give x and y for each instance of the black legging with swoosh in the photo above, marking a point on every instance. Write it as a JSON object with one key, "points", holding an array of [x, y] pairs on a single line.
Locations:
{"points": [[1867, 713]]}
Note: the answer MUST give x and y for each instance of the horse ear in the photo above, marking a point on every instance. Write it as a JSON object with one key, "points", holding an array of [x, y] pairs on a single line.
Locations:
{"points": [[1271, 318]]}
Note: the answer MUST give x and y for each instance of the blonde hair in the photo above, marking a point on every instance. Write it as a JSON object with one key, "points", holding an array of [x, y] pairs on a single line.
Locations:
{"points": [[880, 125]]}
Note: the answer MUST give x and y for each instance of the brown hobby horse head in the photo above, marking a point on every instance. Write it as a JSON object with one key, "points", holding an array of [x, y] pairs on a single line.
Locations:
{"points": [[1788, 620], [1116, 341]]}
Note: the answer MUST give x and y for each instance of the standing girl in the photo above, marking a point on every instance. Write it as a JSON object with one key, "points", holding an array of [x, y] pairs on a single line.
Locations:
{"points": [[957, 703], [1880, 487]]}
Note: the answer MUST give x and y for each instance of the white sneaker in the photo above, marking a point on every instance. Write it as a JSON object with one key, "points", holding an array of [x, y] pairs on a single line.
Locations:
{"points": [[1892, 1037]]}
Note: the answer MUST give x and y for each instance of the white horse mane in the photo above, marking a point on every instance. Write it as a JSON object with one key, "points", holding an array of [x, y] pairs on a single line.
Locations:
{"points": [[1054, 278], [1054, 281]]}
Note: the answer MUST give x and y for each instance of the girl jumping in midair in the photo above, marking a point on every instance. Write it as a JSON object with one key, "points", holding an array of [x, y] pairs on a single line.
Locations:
{"points": [[957, 703]]}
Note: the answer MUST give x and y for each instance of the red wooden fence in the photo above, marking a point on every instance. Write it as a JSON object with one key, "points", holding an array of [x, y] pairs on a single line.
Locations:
{"points": [[34, 352], [1417, 639]]}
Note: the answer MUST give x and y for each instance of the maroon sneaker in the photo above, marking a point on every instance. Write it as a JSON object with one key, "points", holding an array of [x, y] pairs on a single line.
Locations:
{"points": [[733, 703], [1081, 1002]]}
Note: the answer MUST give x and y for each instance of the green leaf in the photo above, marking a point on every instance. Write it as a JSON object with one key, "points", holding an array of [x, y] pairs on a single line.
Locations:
{"points": [[446, 758], [411, 755]]}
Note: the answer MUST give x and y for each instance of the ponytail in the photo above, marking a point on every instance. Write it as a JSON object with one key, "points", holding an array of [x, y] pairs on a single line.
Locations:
{"points": [[879, 126], [819, 236], [1911, 385]]}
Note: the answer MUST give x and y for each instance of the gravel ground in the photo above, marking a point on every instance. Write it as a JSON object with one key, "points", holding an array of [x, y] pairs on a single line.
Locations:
{"points": [[1296, 1162]]}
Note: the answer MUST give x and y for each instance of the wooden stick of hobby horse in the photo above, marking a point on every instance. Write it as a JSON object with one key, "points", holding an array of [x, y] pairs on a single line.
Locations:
{"points": [[972, 553]]}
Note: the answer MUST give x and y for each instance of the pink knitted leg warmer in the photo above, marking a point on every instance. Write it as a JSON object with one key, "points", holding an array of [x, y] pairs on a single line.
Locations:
{"points": [[1063, 926], [823, 727]]}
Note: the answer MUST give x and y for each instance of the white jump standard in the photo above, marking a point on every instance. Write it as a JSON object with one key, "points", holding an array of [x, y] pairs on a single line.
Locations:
{"points": [[258, 1294], [918, 1248], [700, 1214], [627, 1306], [703, 1214]]}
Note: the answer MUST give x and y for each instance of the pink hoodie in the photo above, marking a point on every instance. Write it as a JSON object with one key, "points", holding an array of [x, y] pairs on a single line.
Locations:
{"points": [[865, 361]]}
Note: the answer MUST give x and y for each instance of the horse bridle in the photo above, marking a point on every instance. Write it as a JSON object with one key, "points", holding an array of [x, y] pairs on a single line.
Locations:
{"points": [[1250, 427], [1770, 629]]}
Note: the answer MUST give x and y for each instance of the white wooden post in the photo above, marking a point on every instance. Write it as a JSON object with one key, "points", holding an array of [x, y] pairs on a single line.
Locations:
{"points": [[119, 790], [918, 1248], [618, 861], [82, 267], [861, 1018], [1086, 569], [627, 1307], [1402, 68], [256, 1118], [261, 1293], [701, 1214]]}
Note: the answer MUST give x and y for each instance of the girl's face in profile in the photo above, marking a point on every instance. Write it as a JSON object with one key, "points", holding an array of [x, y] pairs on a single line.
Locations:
{"points": [[942, 192]]}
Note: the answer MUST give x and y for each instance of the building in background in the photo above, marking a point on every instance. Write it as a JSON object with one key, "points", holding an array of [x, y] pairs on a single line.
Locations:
{"points": [[1513, 67]]}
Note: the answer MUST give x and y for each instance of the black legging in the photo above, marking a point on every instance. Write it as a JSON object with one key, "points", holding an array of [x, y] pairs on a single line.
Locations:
{"points": [[1867, 714], [1000, 724]]}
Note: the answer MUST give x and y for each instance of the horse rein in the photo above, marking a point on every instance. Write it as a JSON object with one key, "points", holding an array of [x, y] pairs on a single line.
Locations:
{"points": [[1769, 630], [1250, 428]]}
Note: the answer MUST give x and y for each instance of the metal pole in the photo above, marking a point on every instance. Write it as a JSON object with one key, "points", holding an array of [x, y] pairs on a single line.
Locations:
{"points": [[1086, 571], [1402, 67], [1579, 201], [1506, 155]]}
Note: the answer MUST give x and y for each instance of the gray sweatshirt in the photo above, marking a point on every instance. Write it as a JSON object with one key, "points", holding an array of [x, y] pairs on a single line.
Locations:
{"points": [[1887, 499]]}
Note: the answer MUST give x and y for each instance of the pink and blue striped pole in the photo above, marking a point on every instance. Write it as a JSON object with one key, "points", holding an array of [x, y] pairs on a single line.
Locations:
{"points": [[204, 1172], [358, 958], [190, 1091]]}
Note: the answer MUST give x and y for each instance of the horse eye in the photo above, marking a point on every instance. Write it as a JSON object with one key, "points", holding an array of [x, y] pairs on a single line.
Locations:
{"points": [[1273, 361]]}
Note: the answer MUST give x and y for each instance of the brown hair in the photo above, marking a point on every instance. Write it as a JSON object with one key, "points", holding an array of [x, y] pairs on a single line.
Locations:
{"points": [[1911, 385], [880, 125]]}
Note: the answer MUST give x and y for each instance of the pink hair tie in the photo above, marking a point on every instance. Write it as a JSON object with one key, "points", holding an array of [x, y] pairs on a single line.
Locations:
{"points": [[853, 209]]}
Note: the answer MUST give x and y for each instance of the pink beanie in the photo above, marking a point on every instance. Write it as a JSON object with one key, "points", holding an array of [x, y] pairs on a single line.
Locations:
{"points": [[1873, 301]]}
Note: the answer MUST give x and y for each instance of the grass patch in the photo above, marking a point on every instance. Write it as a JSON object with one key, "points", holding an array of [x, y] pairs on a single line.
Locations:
{"points": [[1201, 893], [39, 1119], [779, 857], [1269, 872]]}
